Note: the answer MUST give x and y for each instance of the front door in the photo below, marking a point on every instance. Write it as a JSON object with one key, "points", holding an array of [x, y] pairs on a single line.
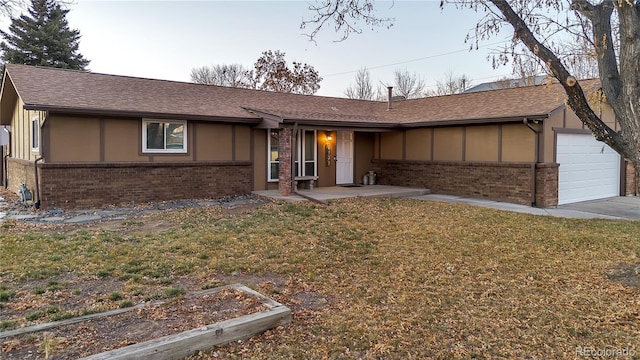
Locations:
{"points": [[344, 157]]}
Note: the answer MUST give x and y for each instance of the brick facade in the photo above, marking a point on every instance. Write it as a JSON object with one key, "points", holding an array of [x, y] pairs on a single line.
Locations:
{"points": [[510, 182], [631, 187], [20, 172], [547, 185], [91, 185], [285, 181]]}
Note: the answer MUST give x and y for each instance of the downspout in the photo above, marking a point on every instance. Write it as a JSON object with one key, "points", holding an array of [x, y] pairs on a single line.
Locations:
{"points": [[535, 162], [5, 161], [36, 204]]}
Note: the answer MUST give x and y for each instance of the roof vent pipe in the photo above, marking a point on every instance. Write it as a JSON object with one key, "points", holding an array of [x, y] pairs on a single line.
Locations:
{"points": [[390, 89]]}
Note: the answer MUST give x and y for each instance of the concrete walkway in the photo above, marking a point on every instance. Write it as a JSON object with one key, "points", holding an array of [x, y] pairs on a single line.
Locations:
{"points": [[627, 208], [324, 194]]}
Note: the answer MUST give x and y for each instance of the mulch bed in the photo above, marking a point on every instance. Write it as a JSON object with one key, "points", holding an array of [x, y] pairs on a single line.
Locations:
{"points": [[135, 326]]}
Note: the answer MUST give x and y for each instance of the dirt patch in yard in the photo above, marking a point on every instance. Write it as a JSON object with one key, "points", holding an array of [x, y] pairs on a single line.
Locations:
{"points": [[626, 274], [134, 326]]}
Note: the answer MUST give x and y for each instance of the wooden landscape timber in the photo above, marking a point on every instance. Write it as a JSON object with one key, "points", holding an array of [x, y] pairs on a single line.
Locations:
{"points": [[183, 344]]}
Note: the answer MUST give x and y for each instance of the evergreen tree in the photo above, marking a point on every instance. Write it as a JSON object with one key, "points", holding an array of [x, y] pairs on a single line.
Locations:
{"points": [[43, 38]]}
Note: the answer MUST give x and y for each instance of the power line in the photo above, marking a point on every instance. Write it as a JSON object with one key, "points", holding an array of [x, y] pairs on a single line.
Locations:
{"points": [[413, 60]]}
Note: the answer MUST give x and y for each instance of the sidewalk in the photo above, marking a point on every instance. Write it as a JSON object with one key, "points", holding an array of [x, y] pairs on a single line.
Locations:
{"points": [[556, 212]]}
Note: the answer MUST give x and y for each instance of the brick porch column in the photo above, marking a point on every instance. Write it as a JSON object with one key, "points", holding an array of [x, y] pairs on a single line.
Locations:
{"points": [[285, 148]]}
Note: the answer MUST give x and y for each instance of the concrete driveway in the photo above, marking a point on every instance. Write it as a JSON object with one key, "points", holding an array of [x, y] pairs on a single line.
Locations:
{"points": [[626, 207]]}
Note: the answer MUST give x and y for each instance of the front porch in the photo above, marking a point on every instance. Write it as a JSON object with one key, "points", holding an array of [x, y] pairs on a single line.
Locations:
{"points": [[324, 194]]}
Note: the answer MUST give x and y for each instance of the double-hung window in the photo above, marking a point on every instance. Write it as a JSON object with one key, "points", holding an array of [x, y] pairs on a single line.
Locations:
{"points": [[164, 136], [35, 133]]}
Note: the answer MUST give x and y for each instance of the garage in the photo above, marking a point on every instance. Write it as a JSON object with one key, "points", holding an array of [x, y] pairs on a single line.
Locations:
{"points": [[589, 169]]}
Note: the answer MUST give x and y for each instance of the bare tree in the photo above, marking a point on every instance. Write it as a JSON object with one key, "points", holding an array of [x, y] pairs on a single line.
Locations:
{"points": [[407, 85], [451, 84], [9, 7], [272, 74], [363, 88], [536, 25], [232, 75], [580, 57]]}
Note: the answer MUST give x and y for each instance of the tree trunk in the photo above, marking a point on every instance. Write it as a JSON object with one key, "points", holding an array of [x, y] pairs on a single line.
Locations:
{"points": [[620, 91]]}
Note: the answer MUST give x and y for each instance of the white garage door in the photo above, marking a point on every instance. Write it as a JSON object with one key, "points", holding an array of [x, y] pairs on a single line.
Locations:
{"points": [[589, 169]]}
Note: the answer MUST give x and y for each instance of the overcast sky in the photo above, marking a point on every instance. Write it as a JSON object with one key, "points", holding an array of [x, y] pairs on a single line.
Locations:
{"points": [[166, 39]]}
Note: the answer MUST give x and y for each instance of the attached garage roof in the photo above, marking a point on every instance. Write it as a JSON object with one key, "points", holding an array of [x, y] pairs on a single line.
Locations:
{"points": [[90, 93]]}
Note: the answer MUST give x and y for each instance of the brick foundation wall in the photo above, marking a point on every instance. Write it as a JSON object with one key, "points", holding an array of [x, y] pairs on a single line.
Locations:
{"points": [[509, 182], [631, 189], [91, 185], [547, 185], [20, 172]]}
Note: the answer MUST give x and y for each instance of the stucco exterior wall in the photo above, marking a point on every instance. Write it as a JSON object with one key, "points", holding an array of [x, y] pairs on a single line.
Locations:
{"points": [[479, 143], [72, 139], [391, 145], [242, 141], [418, 144], [448, 143], [260, 159], [214, 143], [518, 143], [123, 140], [482, 143]]}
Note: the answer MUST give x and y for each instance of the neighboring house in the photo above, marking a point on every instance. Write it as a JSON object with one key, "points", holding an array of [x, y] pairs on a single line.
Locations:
{"points": [[93, 139], [510, 83]]}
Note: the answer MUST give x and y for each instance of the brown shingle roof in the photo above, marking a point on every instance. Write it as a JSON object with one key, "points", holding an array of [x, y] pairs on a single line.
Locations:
{"points": [[77, 91]]}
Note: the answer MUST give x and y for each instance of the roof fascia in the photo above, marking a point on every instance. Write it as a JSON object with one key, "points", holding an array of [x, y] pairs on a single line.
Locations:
{"points": [[373, 126], [142, 114], [7, 105], [474, 121], [267, 121], [559, 108]]}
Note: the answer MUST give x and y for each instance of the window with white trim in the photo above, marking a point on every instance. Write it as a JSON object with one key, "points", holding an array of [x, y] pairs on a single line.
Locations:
{"points": [[273, 158], [164, 136], [305, 153], [35, 133]]}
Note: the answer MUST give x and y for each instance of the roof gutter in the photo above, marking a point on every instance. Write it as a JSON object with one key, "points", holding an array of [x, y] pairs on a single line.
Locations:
{"points": [[483, 121], [144, 114], [337, 123]]}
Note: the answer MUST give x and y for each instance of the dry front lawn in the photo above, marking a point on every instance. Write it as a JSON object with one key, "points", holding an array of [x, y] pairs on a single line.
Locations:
{"points": [[365, 278]]}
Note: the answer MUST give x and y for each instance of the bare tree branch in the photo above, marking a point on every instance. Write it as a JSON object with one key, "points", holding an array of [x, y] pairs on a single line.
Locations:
{"points": [[576, 98], [344, 15]]}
